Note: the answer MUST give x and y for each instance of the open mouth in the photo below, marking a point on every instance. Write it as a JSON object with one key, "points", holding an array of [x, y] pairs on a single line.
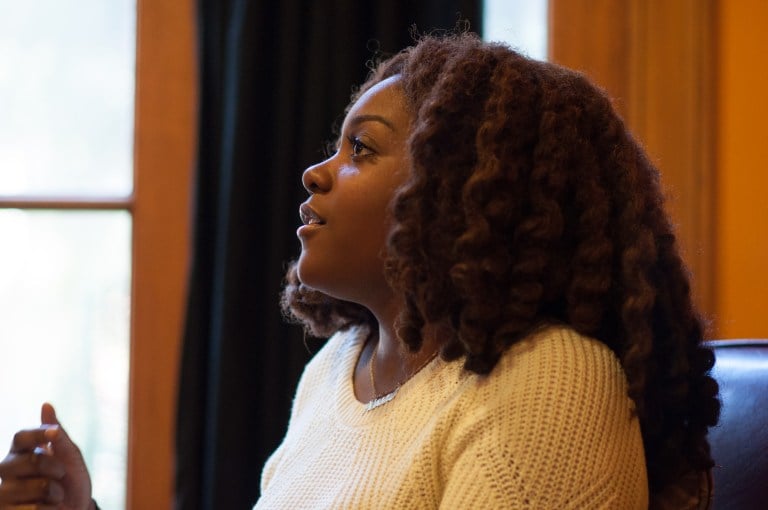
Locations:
{"points": [[309, 216]]}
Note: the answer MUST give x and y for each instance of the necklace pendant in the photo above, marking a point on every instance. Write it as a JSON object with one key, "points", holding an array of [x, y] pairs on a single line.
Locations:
{"points": [[380, 401]]}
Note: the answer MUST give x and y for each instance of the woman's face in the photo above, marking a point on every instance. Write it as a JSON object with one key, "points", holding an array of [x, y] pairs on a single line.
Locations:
{"points": [[346, 218]]}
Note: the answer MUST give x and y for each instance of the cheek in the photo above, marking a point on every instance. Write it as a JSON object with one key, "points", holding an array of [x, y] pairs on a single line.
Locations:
{"points": [[368, 234], [361, 235], [345, 258], [347, 255]]}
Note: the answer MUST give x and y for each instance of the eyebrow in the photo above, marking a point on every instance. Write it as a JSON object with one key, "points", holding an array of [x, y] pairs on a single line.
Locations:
{"points": [[359, 119]]}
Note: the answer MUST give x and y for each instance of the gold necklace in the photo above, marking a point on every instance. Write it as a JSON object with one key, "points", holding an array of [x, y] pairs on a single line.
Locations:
{"points": [[379, 400]]}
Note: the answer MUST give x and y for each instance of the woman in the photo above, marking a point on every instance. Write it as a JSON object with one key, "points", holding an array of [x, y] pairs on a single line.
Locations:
{"points": [[511, 324]]}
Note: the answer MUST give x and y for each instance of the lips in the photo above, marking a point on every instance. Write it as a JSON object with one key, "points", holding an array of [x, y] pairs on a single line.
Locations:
{"points": [[309, 216]]}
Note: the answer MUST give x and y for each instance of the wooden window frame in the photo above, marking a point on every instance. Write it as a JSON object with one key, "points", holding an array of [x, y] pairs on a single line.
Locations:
{"points": [[165, 140]]}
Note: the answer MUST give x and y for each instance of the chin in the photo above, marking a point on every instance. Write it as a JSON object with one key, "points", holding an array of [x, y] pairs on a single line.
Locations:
{"points": [[302, 271], [312, 275], [322, 279]]}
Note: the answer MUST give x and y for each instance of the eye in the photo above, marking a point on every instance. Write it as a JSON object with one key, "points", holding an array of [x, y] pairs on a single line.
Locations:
{"points": [[359, 149]]}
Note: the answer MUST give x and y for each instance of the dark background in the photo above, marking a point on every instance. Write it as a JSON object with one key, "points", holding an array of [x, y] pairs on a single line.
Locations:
{"points": [[274, 77]]}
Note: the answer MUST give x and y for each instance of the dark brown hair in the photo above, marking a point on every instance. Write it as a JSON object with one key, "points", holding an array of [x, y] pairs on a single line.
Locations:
{"points": [[530, 203]]}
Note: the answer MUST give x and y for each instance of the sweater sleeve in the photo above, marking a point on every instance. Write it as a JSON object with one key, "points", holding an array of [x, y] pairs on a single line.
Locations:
{"points": [[314, 381], [301, 400], [550, 427]]}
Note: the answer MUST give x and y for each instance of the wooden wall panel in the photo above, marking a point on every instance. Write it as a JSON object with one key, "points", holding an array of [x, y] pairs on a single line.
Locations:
{"points": [[657, 59], [742, 277]]}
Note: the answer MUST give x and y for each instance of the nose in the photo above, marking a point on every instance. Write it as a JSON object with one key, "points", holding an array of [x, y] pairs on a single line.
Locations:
{"points": [[317, 178]]}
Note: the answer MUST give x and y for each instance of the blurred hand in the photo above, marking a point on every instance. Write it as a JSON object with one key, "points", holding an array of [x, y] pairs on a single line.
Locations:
{"points": [[45, 470]]}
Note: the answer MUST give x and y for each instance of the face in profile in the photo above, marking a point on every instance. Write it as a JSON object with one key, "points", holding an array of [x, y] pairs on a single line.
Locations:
{"points": [[346, 218]]}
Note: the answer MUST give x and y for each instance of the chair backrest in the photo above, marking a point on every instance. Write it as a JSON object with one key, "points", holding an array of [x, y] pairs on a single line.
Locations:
{"points": [[740, 441]]}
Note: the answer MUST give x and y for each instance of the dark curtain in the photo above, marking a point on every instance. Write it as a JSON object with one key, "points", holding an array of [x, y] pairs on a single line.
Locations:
{"points": [[274, 77]]}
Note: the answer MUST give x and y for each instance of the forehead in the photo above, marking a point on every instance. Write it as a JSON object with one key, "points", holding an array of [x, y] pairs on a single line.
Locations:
{"points": [[385, 99]]}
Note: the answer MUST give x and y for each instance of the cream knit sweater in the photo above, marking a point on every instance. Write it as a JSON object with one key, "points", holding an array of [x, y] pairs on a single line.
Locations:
{"points": [[550, 428]]}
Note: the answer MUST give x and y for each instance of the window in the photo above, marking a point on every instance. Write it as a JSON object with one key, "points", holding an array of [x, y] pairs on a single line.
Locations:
{"points": [[520, 23], [97, 223], [66, 145]]}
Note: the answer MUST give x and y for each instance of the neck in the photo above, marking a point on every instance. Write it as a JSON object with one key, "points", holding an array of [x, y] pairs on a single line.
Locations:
{"points": [[389, 359], [393, 363]]}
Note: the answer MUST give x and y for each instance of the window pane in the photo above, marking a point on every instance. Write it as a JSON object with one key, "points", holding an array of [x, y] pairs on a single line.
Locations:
{"points": [[520, 23], [66, 97], [64, 317]]}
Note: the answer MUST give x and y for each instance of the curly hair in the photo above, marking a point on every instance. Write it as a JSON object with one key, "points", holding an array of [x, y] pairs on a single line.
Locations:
{"points": [[529, 203]]}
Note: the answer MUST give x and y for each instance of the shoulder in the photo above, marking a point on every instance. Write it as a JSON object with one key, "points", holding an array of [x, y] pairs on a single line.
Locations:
{"points": [[343, 343], [553, 414], [330, 363], [562, 376], [553, 363], [558, 355], [319, 378], [555, 374]]}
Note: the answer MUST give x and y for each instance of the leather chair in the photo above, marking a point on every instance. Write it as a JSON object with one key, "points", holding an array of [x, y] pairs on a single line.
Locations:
{"points": [[740, 441]]}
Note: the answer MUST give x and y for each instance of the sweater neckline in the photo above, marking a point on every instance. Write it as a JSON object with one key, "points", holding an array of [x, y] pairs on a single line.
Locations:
{"points": [[355, 413]]}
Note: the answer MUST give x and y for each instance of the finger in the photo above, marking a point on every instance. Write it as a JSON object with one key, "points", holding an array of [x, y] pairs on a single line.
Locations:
{"points": [[32, 465], [55, 433], [48, 414], [28, 440], [50, 422], [31, 490]]}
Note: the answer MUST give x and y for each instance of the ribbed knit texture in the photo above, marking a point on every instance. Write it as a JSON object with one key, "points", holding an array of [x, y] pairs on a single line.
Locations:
{"points": [[550, 428]]}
